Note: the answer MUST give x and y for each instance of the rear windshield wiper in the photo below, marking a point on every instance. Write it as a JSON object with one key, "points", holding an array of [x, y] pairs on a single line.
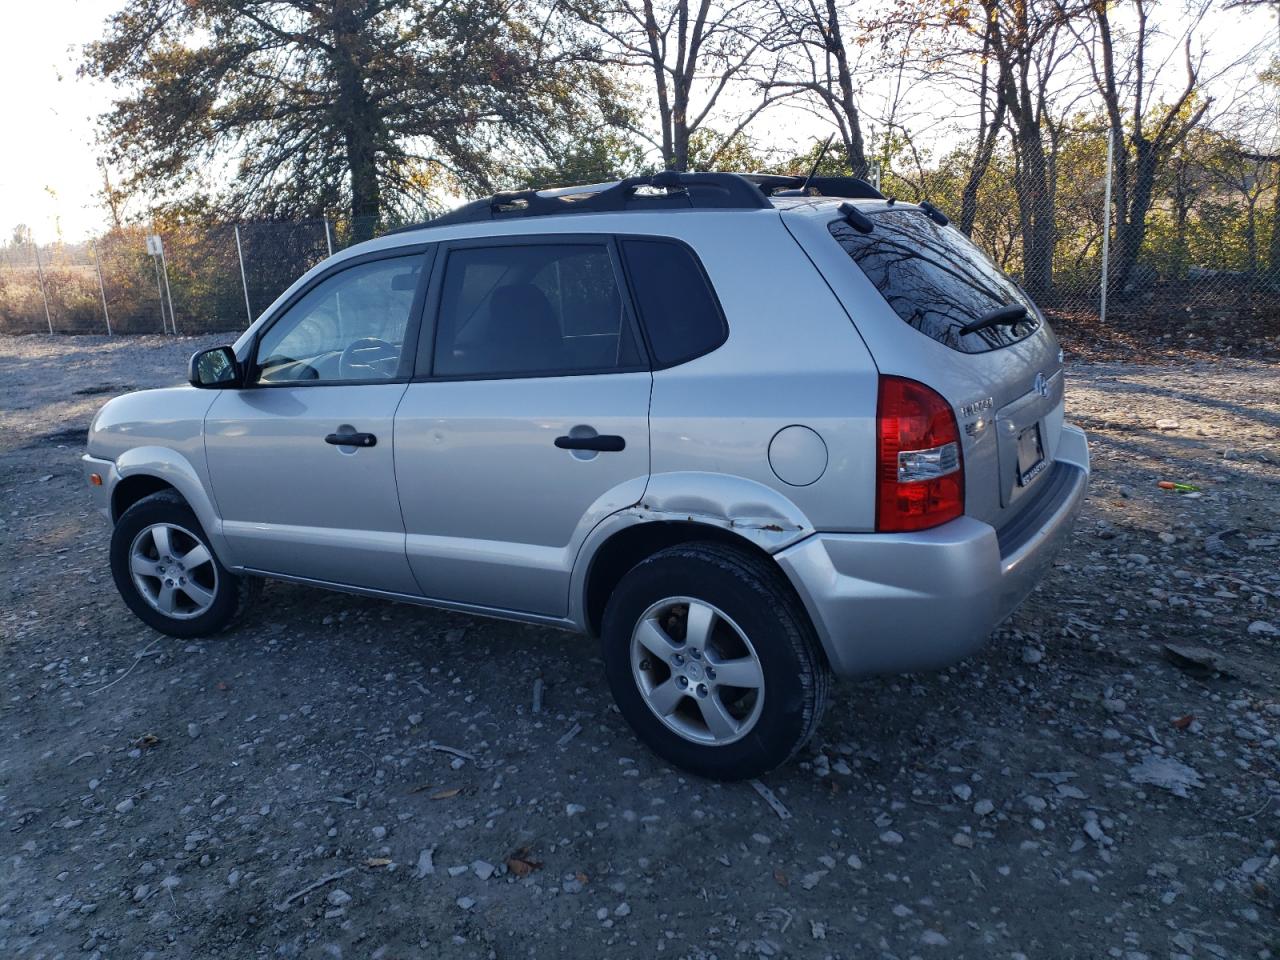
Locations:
{"points": [[999, 317]]}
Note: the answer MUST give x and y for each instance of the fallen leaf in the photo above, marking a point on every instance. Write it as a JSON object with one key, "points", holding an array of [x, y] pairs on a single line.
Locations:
{"points": [[1183, 722], [446, 794], [520, 863], [780, 879], [146, 740], [582, 877], [377, 861], [222, 686]]}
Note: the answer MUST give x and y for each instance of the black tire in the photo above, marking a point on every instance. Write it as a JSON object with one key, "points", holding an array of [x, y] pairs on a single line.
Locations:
{"points": [[231, 594], [756, 597]]}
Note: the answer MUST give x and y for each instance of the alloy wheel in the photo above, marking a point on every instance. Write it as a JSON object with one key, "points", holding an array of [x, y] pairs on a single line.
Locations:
{"points": [[173, 571], [697, 671]]}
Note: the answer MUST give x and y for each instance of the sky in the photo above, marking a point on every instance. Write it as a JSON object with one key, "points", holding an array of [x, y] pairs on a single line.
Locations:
{"points": [[49, 173], [50, 177]]}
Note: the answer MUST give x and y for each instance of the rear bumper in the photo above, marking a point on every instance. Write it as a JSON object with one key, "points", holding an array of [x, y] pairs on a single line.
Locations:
{"points": [[892, 603], [101, 493]]}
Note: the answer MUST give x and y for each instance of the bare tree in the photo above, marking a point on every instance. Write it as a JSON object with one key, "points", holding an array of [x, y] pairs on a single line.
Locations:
{"points": [[1018, 50], [693, 52], [1029, 44], [819, 66], [1128, 80], [990, 121]]}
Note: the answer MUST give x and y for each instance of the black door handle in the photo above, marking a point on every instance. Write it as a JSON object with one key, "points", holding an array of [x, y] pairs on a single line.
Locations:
{"points": [[352, 439], [606, 442]]}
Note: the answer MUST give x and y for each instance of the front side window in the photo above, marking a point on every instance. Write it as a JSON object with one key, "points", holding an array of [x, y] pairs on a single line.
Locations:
{"points": [[935, 279], [349, 326], [541, 309]]}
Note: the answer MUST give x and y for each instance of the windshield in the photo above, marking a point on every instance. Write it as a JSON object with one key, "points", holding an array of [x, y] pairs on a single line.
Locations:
{"points": [[935, 279]]}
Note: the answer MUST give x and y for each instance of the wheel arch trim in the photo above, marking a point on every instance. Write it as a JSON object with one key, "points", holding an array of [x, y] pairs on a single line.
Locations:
{"points": [[748, 511], [174, 469]]}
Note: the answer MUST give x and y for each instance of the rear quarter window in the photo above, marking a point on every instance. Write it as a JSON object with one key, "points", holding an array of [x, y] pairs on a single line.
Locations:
{"points": [[680, 314], [935, 279]]}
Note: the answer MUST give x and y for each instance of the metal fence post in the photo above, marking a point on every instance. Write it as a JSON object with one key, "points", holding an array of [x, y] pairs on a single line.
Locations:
{"points": [[43, 296], [173, 317], [1106, 228], [244, 282], [328, 240], [102, 287], [164, 324]]}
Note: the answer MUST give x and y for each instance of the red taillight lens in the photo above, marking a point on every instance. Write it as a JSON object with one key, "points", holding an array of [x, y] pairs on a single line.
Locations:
{"points": [[919, 470]]}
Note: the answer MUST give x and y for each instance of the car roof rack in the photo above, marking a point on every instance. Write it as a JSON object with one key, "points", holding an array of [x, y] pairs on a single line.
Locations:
{"points": [[844, 188], [668, 190], [662, 191]]}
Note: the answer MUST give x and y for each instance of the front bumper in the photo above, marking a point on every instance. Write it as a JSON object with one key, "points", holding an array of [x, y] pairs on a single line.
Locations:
{"points": [[894, 603], [101, 493]]}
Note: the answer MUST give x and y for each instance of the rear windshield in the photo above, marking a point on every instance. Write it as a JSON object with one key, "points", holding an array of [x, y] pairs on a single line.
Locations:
{"points": [[935, 279]]}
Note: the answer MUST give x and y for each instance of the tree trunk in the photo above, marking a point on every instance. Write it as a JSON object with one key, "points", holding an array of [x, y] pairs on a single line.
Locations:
{"points": [[358, 120], [679, 159], [660, 84], [1035, 208], [1132, 228], [1014, 86], [988, 133], [1273, 254], [1180, 247], [853, 145], [978, 170], [1251, 236]]}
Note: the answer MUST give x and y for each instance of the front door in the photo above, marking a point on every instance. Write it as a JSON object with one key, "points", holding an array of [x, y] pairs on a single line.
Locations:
{"points": [[301, 459], [528, 423]]}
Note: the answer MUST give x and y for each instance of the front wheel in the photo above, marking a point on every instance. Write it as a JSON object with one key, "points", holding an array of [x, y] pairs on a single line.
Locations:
{"points": [[713, 662], [167, 573]]}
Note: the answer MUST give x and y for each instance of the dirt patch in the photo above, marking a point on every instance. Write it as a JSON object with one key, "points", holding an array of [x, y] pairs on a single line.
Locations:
{"points": [[346, 777], [1169, 329], [69, 435]]}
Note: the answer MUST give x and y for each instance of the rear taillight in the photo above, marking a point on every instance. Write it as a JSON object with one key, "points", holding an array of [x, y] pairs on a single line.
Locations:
{"points": [[919, 470]]}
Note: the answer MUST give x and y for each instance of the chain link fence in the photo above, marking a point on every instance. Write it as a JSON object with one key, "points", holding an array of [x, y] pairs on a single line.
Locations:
{"points": [[202, 279], [1207, 266], [1200, 268]]}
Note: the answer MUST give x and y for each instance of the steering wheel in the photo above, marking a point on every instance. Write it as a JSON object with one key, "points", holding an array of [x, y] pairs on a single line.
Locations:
{"points": [[368, 358]]}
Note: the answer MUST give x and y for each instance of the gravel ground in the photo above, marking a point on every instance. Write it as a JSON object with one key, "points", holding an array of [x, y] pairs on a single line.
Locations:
{"points": [[344, 777]]}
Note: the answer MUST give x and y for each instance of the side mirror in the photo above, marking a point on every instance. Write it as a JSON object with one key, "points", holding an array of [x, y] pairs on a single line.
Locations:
{"points": [[214, 369]]}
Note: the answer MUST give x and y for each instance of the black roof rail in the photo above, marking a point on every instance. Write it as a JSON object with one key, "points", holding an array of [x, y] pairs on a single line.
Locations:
{"points": [[666, 190], [663, 191], [845, 188]]}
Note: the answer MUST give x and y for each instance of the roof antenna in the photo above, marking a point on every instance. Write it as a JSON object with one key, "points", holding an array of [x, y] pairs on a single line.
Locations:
{"points": [[804, 187]]}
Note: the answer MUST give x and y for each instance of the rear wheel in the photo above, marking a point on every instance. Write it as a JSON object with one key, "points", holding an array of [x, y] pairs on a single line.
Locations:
{"points": [[167, 573], [713, 662]]}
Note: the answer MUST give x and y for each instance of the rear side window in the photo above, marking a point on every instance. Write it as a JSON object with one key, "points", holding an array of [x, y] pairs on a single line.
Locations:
{"points": [[536, 310], [679, 312], [935, 279]]}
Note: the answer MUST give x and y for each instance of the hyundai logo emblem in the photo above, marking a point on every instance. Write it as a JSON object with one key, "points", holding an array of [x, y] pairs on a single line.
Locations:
{"points": [[1041, 385]]}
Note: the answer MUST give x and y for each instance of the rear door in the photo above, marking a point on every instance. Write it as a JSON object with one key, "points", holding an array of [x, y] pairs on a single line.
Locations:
{"points": [[910, 286], [527, 421]]}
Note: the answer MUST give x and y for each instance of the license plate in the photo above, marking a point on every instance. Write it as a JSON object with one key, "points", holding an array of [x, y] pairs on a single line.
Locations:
{"points": [[1030, 454]]}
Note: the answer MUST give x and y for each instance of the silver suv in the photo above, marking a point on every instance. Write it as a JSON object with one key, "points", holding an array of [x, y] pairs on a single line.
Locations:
{"points": [[750, 431]]}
